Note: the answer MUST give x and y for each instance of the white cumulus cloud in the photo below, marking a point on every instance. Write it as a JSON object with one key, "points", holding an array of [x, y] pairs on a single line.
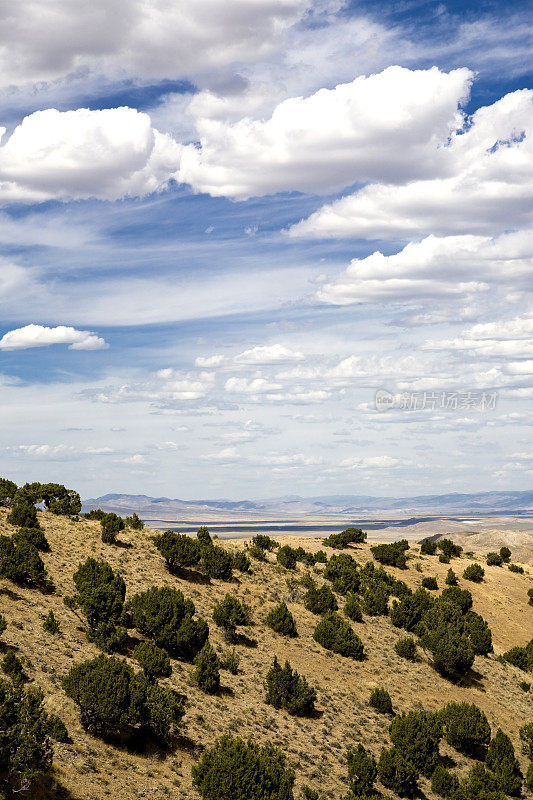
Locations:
{"points": [[269, 354], [42, 336]]}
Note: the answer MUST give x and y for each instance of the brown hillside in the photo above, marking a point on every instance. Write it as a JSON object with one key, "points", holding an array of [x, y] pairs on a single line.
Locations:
{"points": [[89, 769]]}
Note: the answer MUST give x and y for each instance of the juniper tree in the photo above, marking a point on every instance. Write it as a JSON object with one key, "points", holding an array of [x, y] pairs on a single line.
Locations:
{"points": [[397, 773], [352, 608], [362, 771], [465, 728], [281, 620], [217, 562], [335, 634], [111, 524], [100, 594], [154, 661], [320, 600], [285, 688], [178, 550], [21, 563], [207, 672], [416, 735], [229, 614], [381, 701], [34, 536], [501, 760], [474, 572]]}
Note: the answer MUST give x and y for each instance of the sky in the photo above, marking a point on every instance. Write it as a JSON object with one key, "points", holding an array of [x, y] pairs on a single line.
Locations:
{"points": [[260, 248]]}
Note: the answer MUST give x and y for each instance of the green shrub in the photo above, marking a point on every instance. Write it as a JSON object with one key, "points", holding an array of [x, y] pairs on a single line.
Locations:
{"points": [[428, 547], [362, 771], [465, 728], [307, 793], [321, 557], [529, 778], [134, 522], [376, 600], [100, 595], [444, 559], [56, 729], [217, 562], [207, 672], [524, 685], [381, 701], [409, 611], [396, 773], [23, 514], [50, 624], [335, 634], [443, 782], [501, 760], [505, 554], [34, 536], [406, 648], [115, 702], [3, 624], [515, 568], [56, 497], [444, 636], [430, 583], [449, 548], [286, 556], [111, 524], [494, 560], [281, 620], [96, 514], [258, 553], [230, 613], [392, 554], [8, 490], [416, 736], [285, 688], [479, 633], [352, 608], [451, 578], [530, 595], [521, 657], [230, 660], [264, 542], [203, 537], [21, 563], [480, 785], [240, 561], [26, 750], [474, 572], [343, 539], [163, 615], [342, 571], [235, 770], [461, 598], [318, 601], [12, 667], [178, 550], [153, 660]]}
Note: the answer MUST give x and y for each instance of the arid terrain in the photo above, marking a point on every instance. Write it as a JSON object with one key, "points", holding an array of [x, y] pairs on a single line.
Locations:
{"points": [[88, 769]]}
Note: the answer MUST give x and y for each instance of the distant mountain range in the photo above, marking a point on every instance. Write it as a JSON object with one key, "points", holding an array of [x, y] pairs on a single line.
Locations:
{"points": [[324, 507]]}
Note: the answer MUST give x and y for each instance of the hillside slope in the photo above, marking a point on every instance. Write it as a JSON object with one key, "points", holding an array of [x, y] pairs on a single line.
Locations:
{"points": [[89, 769]]}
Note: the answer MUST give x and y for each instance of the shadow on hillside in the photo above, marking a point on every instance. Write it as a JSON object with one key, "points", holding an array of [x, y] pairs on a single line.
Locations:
{"points": [[191, 575], [10, 593], [47, 789], [226, 691], [124, 545], [243, 640]]}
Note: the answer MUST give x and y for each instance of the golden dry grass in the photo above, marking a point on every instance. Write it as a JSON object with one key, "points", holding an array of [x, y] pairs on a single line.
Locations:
{"points": [[89, 769]]}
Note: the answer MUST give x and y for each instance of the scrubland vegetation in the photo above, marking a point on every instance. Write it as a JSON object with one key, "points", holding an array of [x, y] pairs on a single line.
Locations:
{"points": [[367, 673]]}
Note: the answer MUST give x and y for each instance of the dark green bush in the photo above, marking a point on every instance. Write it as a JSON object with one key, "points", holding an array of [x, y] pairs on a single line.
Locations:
{"points": [[34, 536], [406, 648], [3, 624], [23, 514], [111, 524], [479, 633], [281, 620], [26, 749], [494, 560], [416, 735], [335, 634], [56, 729], [445, 637], [342, 571], [286, 556], [318, 601], [235, 770], [12, 667], [8, 490], [230, 613], [409, 611], [257, 553], [352, 608], [134, 522], [501, 760], [217, 562], [505, 554], [397, 773], [240, 561], [474, 572], [50, 624], [451, 578], [392, 554], [230, 660], [376, 600], [529, 778], [526, 735], [264, 542], [521, 657], [449, 548], [461, 597], [381, 701], [178, 550], [204, 537], [428, 547], [465, 728], [530, 595], [100, 595], [516, 568], [96, 514], [524, 685], [343, 539], [207, 672], [362, 771], [166, 617], [321, 557], [443, 782], [430, 583], [21, 563], [285, 688], [56, 497], [153, 660], [444, 559], [480, 785], [115, 702]]}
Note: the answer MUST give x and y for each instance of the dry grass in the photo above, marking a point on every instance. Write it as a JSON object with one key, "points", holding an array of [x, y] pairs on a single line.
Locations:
{"points": [[89, 769]]}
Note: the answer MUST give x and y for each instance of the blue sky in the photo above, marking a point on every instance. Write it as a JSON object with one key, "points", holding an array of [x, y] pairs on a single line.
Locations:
{"points": [[225, 227]]}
